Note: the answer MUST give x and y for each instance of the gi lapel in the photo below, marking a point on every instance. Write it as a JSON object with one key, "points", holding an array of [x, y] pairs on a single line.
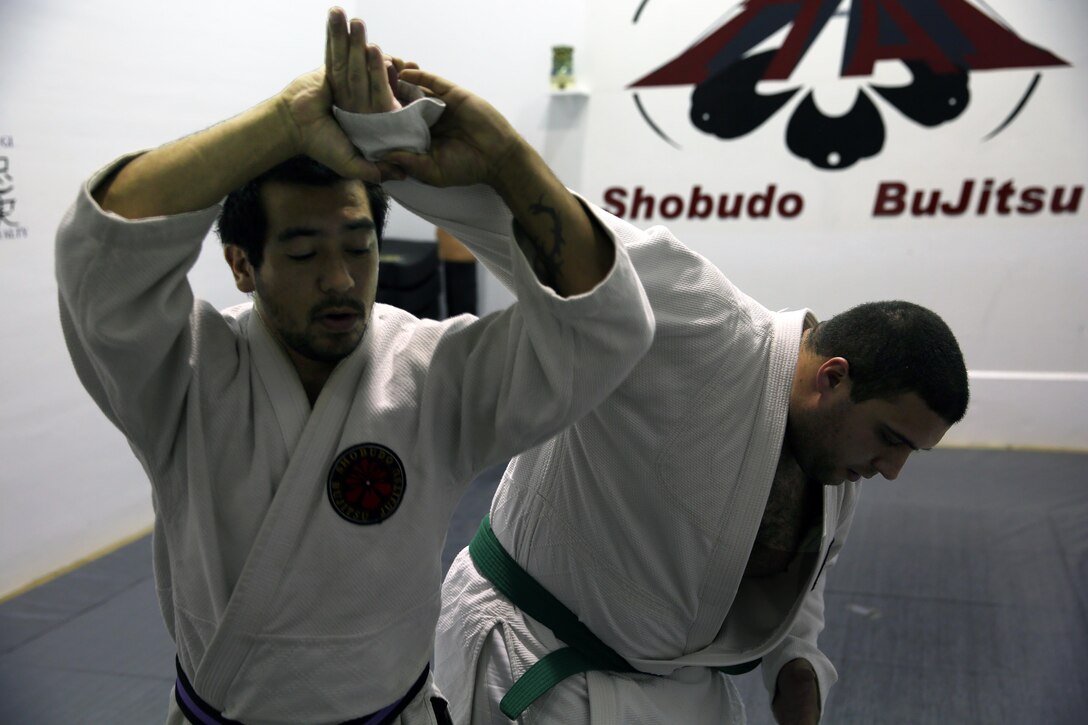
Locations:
{"points": [[280, 381], [749, 493], [830, 522], [315, 436]]}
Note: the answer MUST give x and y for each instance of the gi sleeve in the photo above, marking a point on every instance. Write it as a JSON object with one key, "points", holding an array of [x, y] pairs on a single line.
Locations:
{"points": [[475, 214], [517, 377], [527, 372], [126, 309]]}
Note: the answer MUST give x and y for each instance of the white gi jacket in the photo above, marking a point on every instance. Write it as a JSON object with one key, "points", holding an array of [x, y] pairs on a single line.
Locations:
{"points": [[641, 516], [282, 610]]}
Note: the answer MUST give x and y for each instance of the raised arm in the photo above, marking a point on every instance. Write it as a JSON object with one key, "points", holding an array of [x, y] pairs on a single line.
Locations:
{"points": [[197, 171], [127, 309], [473, 144]]}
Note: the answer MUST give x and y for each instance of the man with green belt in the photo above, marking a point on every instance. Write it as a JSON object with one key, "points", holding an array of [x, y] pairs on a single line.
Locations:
{"points": [[682, 530]]}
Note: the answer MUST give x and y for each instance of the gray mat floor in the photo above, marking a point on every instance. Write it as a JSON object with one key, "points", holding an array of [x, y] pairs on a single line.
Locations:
{"points": [[961, 597]]}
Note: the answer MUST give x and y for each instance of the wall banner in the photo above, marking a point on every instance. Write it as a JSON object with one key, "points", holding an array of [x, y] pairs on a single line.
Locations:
{"points": [[804, 112], [10, 226]]}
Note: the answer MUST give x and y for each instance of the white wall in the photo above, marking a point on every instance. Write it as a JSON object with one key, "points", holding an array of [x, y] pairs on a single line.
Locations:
{"points": [[1011, 285], [85, 82]]}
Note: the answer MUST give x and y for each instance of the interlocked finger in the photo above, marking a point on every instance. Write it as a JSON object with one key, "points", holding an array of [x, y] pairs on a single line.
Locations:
{"points": [[357, 72], [428, 81], [380, 91], [336, 54], [358, 77]]}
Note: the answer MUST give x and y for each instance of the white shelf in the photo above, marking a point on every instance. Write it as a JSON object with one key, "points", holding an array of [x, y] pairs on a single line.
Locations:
{"points": [[575, 91]]}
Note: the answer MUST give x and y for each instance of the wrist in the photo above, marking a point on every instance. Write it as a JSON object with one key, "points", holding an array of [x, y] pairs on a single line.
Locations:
{"points": [[510, 170], [282, 125]]}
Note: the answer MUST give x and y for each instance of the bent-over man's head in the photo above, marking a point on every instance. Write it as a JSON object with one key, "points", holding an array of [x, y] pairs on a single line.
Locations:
{"points": [[874, 384]]}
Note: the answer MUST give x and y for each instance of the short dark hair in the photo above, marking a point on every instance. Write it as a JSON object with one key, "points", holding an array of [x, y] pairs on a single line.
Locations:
{"points": [[243, 222], [895, 348]]}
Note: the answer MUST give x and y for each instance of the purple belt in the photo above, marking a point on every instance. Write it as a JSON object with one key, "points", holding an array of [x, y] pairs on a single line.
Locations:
{"points": [[201, 713]]}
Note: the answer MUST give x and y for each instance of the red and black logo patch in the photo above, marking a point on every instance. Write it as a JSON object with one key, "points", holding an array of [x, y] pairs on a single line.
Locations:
{"points": [[366, 484]]}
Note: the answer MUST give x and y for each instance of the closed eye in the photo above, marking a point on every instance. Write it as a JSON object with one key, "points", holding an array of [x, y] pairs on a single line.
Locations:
{"points": [[895, 439], [301, 257]]}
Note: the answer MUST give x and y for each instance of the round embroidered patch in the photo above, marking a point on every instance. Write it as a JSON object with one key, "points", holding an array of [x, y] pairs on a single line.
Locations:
{"points": [[366, 483]]}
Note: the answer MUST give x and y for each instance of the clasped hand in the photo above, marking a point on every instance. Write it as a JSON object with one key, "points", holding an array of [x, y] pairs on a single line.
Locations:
{"points": [[469, 143]]}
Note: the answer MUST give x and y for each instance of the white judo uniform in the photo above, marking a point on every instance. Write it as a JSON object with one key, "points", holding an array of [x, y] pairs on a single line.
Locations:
{"points": [[297, 552], [641, 516]]}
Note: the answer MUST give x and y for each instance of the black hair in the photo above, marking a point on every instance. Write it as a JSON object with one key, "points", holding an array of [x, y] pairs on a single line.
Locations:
{"points": [[243, 222], [895, 348]]}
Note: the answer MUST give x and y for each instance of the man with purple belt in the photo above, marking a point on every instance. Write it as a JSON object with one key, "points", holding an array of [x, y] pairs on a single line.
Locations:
{"points": [[307, 448]]}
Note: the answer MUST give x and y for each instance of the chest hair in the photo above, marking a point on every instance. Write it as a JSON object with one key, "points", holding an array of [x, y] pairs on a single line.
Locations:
{"points": [[792, 507]]}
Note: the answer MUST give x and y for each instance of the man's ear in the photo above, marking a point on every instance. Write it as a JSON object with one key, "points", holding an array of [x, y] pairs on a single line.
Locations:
{"points": [[244, 274], [833, 376]]}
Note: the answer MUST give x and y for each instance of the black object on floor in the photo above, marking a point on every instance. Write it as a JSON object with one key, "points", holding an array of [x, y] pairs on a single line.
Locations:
{"points": [[408, 277]]}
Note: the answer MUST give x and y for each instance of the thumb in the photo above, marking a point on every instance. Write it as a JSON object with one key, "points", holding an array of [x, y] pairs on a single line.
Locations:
{"points": [[391, 172], [360, 168], [419, 166], [340, 155], [354, 167]]}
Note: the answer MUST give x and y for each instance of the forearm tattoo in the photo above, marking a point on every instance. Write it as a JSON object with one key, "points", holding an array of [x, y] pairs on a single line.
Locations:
{"points": [[547, 262]]}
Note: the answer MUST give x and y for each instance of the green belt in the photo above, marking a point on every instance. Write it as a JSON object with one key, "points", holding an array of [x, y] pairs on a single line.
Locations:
{"points": [[584, 652]]}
